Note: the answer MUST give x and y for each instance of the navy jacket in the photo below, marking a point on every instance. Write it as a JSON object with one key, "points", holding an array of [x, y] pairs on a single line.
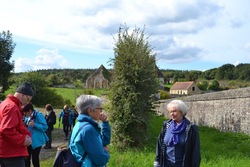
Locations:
{"points": [[192, 156]]}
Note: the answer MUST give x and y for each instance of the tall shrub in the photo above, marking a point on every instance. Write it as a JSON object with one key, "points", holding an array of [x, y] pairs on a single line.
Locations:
{"points": [[133, 84], [7, 47]]}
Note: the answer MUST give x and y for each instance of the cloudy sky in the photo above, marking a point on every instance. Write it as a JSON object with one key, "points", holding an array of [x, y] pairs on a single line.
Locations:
{"points": [[185, 34]]}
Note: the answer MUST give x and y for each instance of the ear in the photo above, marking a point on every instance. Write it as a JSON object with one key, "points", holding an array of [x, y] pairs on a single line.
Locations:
{"points": [[89, 111]]}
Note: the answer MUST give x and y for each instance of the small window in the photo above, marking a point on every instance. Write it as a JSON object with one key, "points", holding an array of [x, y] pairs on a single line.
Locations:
{"points": [[193, 88]]}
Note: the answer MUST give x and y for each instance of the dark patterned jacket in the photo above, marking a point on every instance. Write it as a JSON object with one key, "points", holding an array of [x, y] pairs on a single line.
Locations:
{"points": [[192, 156], [51, 120]]}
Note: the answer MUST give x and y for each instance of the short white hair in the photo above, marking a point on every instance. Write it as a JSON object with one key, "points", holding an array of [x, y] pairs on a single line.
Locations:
{"points": [[179, 105], [84, 102]]}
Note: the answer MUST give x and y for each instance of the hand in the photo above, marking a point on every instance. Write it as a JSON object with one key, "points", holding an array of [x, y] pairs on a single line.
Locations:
{"points": [[27, 141], [106, 148], [103, 116], [31, 123]]}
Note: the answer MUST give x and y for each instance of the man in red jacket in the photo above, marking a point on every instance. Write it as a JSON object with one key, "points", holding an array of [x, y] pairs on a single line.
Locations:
{"points": [[14, 136]]}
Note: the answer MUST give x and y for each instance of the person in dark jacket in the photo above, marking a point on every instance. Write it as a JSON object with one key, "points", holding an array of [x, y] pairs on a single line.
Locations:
{"points": [[178, 143], [75, 115], [66, 114], [51, 121]]}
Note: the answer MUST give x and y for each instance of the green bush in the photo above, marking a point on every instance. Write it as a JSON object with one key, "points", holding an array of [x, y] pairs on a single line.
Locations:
{"points": [[88, 91], [46, 95], [164, 94]]}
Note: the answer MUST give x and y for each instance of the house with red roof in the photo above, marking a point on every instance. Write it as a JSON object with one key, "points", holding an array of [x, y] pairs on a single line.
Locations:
{"points": [[184, 88]]}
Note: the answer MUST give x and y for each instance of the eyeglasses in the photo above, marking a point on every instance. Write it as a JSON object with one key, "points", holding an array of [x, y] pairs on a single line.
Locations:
{"points": [[28, 99], [173, 111], [99, 108]]}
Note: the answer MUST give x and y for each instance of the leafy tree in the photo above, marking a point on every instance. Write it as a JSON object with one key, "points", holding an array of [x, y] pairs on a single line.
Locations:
{"points": [[243, 72], [203, 85], [209, 74], [134, 81], [215, 85], [6, 50], [225, 72], [53, 80], [192, 75]]}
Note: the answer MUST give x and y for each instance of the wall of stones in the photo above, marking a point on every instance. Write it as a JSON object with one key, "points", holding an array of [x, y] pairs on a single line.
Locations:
{"points": [[226, 110]]}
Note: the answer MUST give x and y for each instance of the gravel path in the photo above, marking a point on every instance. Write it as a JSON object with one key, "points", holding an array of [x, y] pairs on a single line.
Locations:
{"points": [[57, 141]]}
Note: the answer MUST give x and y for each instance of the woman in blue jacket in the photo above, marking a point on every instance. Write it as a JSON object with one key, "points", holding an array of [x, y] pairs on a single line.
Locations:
{"points": [[37, 126], [90, 145], [67, 119]]}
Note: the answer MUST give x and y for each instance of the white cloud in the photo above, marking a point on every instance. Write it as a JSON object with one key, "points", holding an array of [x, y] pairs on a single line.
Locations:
{"points": [[178, 51], [91, 24], [236, 63], [180, 31], [44, 59]]}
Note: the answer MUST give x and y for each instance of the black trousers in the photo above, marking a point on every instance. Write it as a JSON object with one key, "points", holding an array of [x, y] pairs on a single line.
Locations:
{"points": [[12, 162], [66, 130], [49, 134], [34, 155]]}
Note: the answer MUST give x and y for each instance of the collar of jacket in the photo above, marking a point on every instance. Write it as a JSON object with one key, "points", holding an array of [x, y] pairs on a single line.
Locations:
{"points": [[86, 118], [16, 101]]}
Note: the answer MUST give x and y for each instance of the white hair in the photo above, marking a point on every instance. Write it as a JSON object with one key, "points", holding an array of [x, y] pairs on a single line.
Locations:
{"points": [[179, 105], [84, 102]]}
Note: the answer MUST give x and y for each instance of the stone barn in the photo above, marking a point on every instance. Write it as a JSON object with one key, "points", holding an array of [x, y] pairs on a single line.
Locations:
{"points": [[184, 88], [100, 79]]}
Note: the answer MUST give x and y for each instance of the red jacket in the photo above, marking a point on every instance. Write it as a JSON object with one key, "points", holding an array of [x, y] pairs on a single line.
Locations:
{"points": [[12, 130]]}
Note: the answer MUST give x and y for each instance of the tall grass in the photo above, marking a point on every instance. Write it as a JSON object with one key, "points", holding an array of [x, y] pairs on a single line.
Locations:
{"points": [[218, 149]]}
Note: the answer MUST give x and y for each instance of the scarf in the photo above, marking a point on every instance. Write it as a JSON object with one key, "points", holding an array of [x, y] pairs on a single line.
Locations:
{"points": [[48, 112], [176, 130]]}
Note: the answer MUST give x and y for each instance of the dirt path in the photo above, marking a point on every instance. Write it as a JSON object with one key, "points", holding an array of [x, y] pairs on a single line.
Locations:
{"points": [[58, 136], [57, 141]]}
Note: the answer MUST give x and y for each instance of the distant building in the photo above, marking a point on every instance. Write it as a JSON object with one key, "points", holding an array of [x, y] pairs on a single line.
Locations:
{"points": [[184, 88], [100, 79]]}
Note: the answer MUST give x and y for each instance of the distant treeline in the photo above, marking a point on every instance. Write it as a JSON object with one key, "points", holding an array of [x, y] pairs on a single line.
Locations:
{"points": [[229, 72], [225, 72]]}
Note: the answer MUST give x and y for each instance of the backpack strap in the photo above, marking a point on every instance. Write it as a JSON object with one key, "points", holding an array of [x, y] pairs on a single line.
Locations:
{"points": [[85, 154], [77, 133]]}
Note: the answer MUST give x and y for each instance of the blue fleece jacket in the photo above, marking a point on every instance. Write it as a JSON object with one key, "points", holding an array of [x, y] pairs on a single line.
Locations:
{"points": [[38, 132], [90, 141]]}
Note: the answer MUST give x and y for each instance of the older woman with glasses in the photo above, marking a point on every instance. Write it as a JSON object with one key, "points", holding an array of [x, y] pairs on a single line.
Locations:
{"points": [[178, 143], [89, 140]]}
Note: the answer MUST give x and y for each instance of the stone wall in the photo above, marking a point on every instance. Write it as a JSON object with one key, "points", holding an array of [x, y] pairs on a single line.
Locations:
{"points": [[226, 110]]}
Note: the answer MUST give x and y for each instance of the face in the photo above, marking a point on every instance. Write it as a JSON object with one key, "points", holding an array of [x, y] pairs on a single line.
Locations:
{"points": [[27, 114], [66, 108], [96, 113], [26, 99], [175, 114]]}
